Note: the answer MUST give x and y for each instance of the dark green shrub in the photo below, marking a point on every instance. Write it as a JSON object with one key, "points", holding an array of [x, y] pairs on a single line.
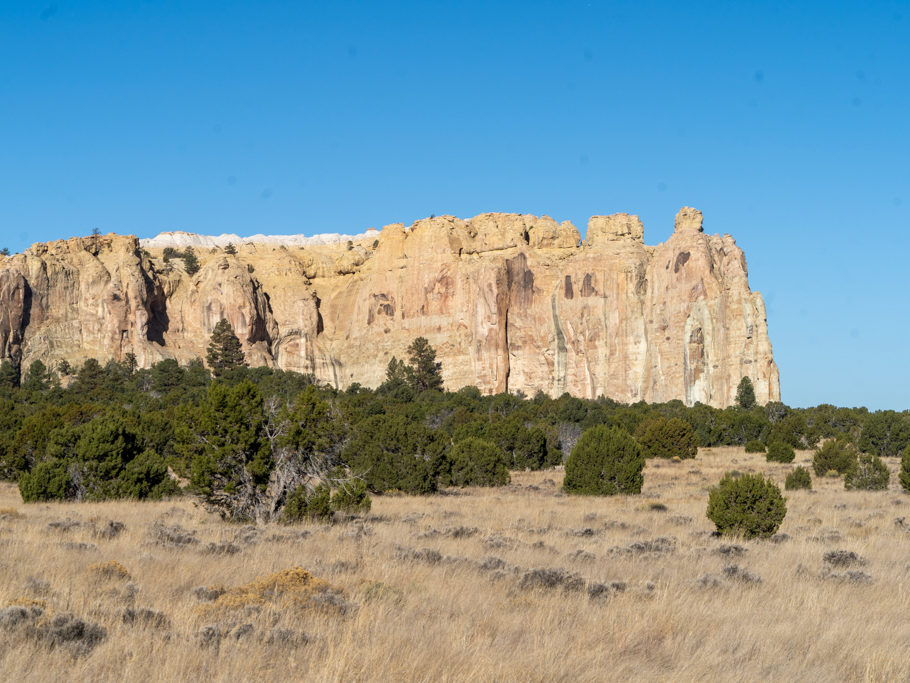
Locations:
{"points": [[780, 452], [749, 505], [868, 473], [905, 469], [835, 455], [886, 433], [146, 476], [99, 459], [352, 497], [755, 446], [229, 452], [799, 478], [304, 503], [392, 452], [605, 461], [793, 429], [523, 447], [476, 462], [320, 503], [48, 480], [667, 438]]}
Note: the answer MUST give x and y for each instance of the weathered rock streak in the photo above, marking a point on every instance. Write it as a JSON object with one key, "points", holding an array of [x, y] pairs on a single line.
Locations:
{"points": [[510, 302]]}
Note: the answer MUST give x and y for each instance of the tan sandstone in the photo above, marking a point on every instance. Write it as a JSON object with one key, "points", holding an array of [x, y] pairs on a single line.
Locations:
{"points": [[510, 302]]}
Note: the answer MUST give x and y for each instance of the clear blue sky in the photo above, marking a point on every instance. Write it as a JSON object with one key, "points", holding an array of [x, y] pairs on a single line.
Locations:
{"points": [[788, 124]]}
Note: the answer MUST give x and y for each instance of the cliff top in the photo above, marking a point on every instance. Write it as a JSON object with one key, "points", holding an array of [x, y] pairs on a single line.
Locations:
{"points": [[492, 230]]}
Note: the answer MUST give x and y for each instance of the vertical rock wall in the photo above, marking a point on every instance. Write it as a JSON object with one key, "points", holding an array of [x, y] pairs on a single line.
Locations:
{"points": [[508, 301]]}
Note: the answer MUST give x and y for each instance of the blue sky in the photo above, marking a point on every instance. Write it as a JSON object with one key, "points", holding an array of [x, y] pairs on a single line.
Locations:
{"points": [[788, 124]]}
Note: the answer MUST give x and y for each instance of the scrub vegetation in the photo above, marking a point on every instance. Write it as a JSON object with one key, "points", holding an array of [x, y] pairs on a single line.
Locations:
{"points": [[255, 524]]}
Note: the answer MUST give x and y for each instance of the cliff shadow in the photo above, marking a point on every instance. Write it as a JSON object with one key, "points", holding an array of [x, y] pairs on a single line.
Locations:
{"points": [[159, 322]]}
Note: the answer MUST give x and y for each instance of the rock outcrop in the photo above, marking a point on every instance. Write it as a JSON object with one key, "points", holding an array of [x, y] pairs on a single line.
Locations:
{"points": [[510, 302]]}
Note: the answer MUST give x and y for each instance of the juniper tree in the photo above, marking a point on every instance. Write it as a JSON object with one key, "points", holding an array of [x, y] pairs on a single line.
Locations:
{"points": [[605, 461], [226, 445], [748, 505]]}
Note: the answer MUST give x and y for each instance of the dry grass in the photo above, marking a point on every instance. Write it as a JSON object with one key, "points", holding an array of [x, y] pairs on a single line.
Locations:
{"points": [[520, 583]]}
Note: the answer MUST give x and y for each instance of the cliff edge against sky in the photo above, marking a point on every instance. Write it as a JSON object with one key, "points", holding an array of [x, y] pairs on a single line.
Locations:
{"points": [[509, 301]]}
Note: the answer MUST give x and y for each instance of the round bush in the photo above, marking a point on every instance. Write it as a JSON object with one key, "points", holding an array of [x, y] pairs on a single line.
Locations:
{"points": [[868, 473], [755, 446], [835, 455], [48, 480], [476, 462], [605, 461], [667, 438], [749, 505], [905, 469], [799, 478], [780, 452]]}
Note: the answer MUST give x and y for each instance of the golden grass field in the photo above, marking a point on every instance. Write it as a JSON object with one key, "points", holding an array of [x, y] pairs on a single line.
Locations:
{"points": [[447, 588]]}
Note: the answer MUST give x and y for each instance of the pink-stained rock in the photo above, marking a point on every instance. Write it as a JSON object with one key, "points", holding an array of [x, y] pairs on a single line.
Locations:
{"points": [[509, 301]]}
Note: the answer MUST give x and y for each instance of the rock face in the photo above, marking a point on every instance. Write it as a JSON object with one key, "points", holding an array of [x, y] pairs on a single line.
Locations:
{"points": [[510, 302]]}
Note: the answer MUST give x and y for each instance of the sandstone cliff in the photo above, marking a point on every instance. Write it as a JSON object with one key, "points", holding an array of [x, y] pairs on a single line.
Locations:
{"points": [[509, 302]]}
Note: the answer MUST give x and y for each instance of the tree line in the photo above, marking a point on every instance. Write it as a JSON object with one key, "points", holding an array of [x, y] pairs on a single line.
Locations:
{"points": [[262, 443]]}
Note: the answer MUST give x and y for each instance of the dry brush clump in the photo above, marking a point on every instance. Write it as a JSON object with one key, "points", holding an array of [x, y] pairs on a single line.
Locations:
{"points": [[290, 588], [32, 622], [109, 570]]}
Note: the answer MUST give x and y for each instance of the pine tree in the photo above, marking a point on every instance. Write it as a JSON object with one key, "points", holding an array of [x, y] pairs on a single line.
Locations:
{"points": [[190, 262], [38, 377], [225, 352], [745, 394], [396, 372], [230, 249], [90, 376], [9, 374], [423, 372], [130, 363]]}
